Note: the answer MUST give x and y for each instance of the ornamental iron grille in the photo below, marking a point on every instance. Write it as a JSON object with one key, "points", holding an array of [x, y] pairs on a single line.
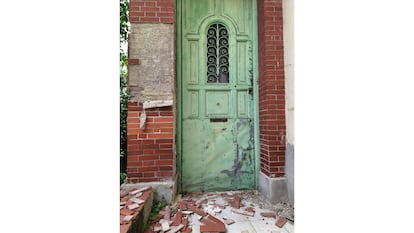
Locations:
{"points": [[217, 54]]}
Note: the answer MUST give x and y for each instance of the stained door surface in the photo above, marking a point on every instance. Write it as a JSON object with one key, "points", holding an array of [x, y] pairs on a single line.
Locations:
{"points": [[217, 123]]}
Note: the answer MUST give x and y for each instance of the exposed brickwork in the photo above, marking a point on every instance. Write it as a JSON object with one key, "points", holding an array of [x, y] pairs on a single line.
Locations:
{"points": [[271, 88], [133, 61], [150, 151], [152, 11]]}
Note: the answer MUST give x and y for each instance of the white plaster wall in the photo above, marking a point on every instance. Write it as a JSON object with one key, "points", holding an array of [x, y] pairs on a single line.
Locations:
{"points": [[288, 38]]}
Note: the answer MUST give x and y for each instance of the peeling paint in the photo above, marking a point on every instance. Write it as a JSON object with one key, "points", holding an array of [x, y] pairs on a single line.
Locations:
{"points": [[216, 120]]}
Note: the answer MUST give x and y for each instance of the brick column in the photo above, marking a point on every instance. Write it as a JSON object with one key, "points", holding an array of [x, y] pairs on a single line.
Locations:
{"points": [[150, 150], [151, 77], [152, 11], [271, 88]]}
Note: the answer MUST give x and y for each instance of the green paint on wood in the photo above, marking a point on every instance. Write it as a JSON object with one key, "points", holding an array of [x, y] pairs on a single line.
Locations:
{"points": [[216, 121]]}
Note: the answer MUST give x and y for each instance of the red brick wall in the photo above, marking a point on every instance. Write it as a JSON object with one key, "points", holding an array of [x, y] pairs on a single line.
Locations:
{"points": [[150, 151], [152, 11], [271, 88]]}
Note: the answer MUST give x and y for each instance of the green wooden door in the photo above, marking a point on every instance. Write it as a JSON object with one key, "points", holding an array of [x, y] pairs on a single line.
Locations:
{"points": [[216, 94]]}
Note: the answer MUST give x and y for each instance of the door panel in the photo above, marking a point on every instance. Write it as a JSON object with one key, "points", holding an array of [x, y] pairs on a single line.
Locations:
{"points": [[217, 139]]}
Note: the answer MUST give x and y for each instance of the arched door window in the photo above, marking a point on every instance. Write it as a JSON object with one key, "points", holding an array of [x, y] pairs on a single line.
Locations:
{"points": [[217, 54]]}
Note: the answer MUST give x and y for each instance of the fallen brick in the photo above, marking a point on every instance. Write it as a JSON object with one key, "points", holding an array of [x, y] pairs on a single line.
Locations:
{"points": [[197, 211], [243, 212], [187, 212], [268, 214], [137, 200], [157, 228], [207, 221], [183, 205], [124, 228], [133, 206], [128, 218], [138, 194], [174, 229], [133, 192], [185, 223], [165, 225], [249, 209], [167, 214], [123, 193], [236, 202], [126, 212], [201, 201], [122, 203], [188, 230], [281, 222], [215, 220], [212, 228], [177, 218]]}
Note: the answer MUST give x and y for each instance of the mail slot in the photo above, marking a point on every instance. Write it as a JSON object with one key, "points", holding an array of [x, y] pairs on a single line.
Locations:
{"points": [[218, 119]]}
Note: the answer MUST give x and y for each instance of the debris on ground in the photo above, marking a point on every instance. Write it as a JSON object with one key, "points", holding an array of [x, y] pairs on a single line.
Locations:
{"points": [[130, 205], [218, 211], [281, 221]]}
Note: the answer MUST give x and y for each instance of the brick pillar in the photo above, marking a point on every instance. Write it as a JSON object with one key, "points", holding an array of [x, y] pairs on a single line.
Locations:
{"points": [[152, 11], [151, 77], [150, 150], [271, 88]]}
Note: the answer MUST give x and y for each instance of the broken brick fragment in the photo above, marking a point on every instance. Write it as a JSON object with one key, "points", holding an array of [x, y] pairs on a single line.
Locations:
{"points": [[215, 220], [177, 218], [133, 191], [123, 193], [188, 230], [212, 228], [197, 211], [236, 202], [183, 205], [137, 200], [165, 224], [125, 212], [133, 206], [127, 218], [207, 221], [243, 212], [187, 212], [185, 223], [268, 214], [281, 222], [167, 214], [249, 209], [175, 229]]}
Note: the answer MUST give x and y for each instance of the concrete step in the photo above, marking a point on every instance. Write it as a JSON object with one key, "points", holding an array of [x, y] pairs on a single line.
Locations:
{"points": [[135, 208]]}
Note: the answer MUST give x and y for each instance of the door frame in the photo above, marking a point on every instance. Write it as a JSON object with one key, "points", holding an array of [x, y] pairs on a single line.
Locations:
{"points": [[178, 140]]}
